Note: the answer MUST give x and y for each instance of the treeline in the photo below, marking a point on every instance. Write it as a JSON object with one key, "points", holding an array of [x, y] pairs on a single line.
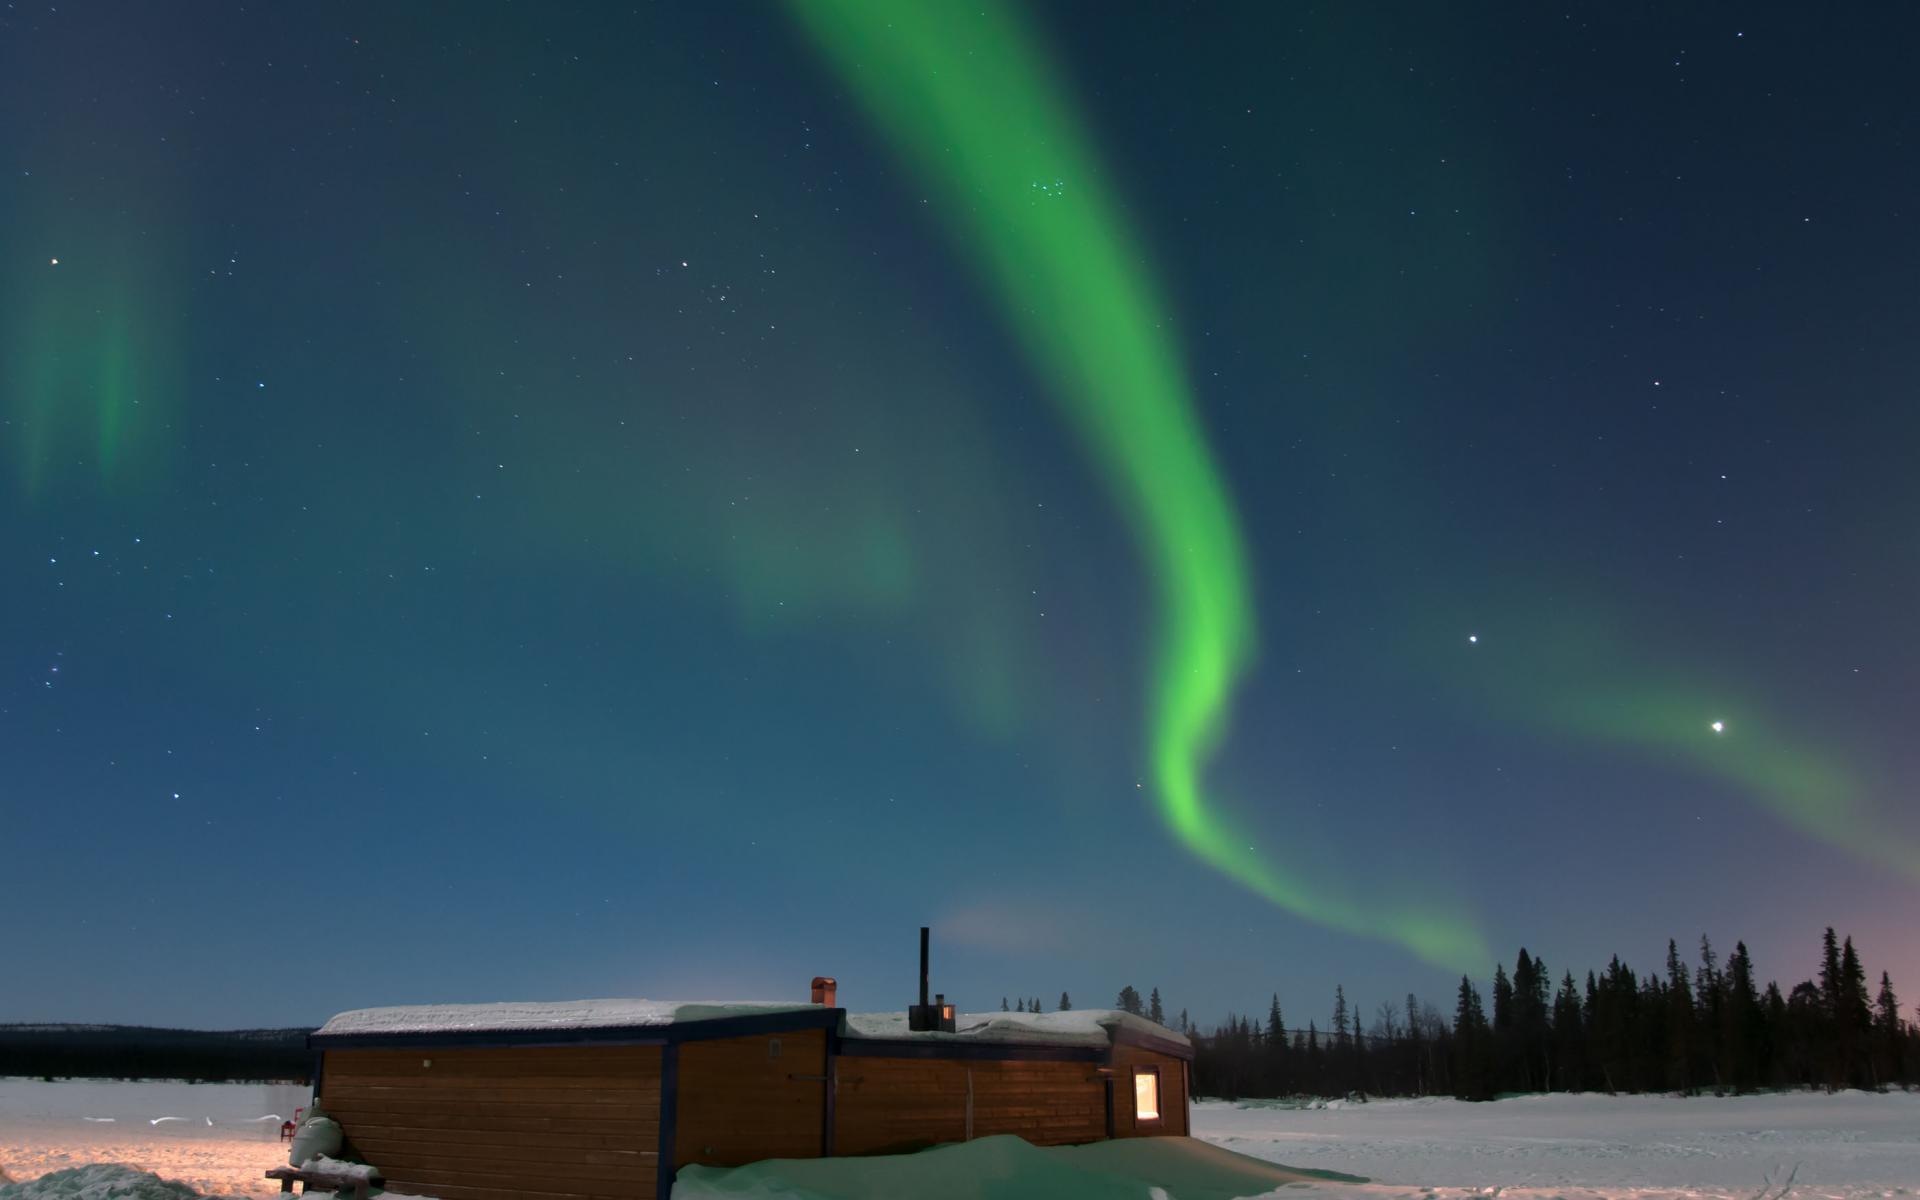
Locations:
{"points": [[1711, 1027], [134, 1052], [1128, 1001]]}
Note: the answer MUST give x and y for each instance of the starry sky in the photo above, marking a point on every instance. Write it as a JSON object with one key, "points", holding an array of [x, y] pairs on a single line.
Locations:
{"points": [[542, 501]]}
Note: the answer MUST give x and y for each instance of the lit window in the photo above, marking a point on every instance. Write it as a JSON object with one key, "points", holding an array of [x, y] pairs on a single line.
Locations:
{"points": [[1146, 1094]]}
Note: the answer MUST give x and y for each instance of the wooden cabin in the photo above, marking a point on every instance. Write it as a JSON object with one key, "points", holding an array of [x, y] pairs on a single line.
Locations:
{"points": [[608, 1098]]}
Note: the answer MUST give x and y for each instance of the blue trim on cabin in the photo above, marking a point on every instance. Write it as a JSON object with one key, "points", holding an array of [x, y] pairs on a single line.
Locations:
{"points": [[968, 1051], [749, 1025], [669, 1119]]}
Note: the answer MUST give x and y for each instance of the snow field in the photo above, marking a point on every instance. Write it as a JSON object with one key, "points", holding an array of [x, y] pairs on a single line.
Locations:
{"points": [[1851, 1146], [216, 1138], [55, 1138]]}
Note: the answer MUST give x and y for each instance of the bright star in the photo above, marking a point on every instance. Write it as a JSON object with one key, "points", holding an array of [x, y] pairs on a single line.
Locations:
{"points": [[1474, 638], [1719, 726], [53, 262]]}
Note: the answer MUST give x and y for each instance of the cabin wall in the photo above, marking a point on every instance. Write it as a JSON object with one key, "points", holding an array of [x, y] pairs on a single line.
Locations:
{"points": [[532, 1123], [585, 1122], [894, 1105], [747, 1098], [1173, 1093]]}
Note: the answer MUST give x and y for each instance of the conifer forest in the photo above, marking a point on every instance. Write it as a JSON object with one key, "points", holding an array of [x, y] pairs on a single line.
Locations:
{"points": [[1705, 1025]]}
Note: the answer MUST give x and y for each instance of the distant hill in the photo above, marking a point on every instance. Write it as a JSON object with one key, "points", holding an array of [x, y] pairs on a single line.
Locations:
{"points": [[137, 1052]]}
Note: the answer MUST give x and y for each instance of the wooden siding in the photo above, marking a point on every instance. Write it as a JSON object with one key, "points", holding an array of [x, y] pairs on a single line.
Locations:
{"points": [[740, 1102], [894, 1105], [1173, 1093], [503, 1124]]}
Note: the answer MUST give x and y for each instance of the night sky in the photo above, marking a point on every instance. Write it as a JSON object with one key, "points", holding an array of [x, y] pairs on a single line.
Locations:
{"points": [[538, 501]]}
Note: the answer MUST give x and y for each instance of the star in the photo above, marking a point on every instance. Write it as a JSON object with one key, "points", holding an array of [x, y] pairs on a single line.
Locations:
{"points": [[1719, 726], [1473, 639], [53, 262]]}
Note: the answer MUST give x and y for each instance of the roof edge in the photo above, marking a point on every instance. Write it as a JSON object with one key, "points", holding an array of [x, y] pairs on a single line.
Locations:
{"points": [[1123, 1036], [793, 1021]]}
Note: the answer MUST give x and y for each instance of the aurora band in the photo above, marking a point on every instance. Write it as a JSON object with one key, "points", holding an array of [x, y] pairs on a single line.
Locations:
{"points": [[966, 95]]}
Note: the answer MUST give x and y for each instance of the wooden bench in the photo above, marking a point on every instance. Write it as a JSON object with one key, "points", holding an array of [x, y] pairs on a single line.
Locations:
{"points": [[333, 1181]]}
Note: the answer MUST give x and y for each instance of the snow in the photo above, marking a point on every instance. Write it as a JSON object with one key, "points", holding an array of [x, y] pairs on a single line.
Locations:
{"points": [[98, 1181], [339, 1169], [1076, 1027], [225, 1136], [1853, 1146], [1085, 1027], [519, 1016], [1003, 1168]]}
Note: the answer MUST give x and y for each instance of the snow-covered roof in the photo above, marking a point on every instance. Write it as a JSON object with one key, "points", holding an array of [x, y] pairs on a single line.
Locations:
{"points": [[1076, 1027], [514, 1016], [1091, 1028]]}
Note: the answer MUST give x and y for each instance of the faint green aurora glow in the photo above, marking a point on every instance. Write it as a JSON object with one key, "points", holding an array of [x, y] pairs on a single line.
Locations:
{"points": [[1584, 675], [88, 369], [1809, 790], [965, 93]]}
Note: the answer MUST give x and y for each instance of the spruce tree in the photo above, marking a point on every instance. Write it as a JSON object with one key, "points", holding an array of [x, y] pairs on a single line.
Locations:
{"points": [[1472, 1054], [1155, 1013], [1854, 1020], [1807, 1032], [1502, 1000], [1532, 990], [1021, 1006], [1740, 1023], [1830, 985], [1773, 1036], [1679, 1023], [1313, 1072], [1889, 1067], [1569, 1039], [1502, 1051], [1710, 1008], [1003, 1004], [1066, 1003], [1128, 1000], [1828, 1041]]}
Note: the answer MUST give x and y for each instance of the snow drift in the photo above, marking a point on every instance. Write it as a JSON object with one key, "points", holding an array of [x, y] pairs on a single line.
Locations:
{"points": [[1006, 1168], [98, 1181]]}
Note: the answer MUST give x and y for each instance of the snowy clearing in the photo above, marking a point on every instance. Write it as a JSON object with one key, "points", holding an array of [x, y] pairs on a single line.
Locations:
{"points": [[1853, 1145], [215, 1139]]}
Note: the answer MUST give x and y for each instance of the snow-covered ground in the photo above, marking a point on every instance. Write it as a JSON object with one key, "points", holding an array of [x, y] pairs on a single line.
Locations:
{"points": [[216, 1139], [1853, 1145]]}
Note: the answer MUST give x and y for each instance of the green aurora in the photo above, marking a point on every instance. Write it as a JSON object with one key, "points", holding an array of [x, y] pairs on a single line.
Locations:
{"points": [[968, 96], [1583, 678], [89, 372]]}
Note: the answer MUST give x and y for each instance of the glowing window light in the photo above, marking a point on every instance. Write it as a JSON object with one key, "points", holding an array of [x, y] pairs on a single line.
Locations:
{"points": [[1146, 1094]]}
